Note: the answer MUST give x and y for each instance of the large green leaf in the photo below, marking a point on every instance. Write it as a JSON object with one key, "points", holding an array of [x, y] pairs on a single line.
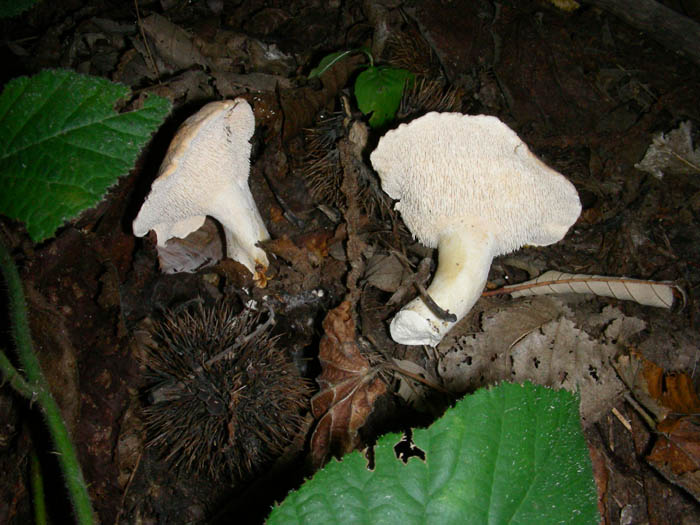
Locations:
{"points": [[378, 91], [62, 145], [511, 454]]}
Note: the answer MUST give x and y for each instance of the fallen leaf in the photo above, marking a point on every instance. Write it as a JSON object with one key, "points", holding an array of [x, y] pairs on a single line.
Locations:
{"points": [[285, 248], [676, 453], [384, 271], [672, 399], [201, 248], [661, 393], [539, 341], [350, 385], [172, 42], [650, 293]]}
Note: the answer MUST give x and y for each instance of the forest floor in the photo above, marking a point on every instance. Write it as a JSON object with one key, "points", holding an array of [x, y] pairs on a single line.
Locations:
{"points": [[586, 92]]}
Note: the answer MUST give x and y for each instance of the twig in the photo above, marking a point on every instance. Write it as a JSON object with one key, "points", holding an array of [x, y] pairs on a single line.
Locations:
{"points": [[145, 41]]}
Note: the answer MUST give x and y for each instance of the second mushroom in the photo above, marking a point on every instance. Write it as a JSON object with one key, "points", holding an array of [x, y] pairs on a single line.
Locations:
{"points": [[470, 187], [205, 172]]}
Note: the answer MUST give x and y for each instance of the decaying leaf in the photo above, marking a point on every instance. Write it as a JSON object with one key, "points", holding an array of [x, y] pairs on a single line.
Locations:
{"points": [[172, 42], [384, 271], [674, 403], [416, 393], [201, 248], [676, 453], [350, 384], [662, 394], [650, 293], [537, 340], [672, 152]]}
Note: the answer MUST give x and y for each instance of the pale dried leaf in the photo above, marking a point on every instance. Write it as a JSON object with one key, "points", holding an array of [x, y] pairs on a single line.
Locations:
{"points": [[537, 341], [201, 248], [672, 153], [650, 293]]}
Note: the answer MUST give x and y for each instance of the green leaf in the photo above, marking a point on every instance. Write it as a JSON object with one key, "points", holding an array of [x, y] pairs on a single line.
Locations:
{"points": [[328, 61], [378, 91], [62, 145], [10, 8], [511, 454]]}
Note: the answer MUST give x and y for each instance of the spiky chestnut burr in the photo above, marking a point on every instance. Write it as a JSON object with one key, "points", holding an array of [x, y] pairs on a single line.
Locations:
{"points": [[225, 400], [321, 165], [423, 96], [323, 171]]}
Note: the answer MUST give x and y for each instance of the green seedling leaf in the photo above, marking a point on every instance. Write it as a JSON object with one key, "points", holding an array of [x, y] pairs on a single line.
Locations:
{"points": [[378, 91], [10, 8], [62, 145], [327, 62], [511, 454]]}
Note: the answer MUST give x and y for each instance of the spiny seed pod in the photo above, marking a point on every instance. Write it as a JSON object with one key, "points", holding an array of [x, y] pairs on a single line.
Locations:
{"points": [[409, 50], [225, 400], [423, 96], [323, 171], [321, 166]]}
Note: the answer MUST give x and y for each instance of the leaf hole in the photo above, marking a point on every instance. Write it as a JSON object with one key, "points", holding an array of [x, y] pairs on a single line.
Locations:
{"points": [[407, 449]]}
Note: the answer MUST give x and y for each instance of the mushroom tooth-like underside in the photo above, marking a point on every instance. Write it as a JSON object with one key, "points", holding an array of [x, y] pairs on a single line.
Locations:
{"points": [[446, 166], [470, 187], [205, 172]]}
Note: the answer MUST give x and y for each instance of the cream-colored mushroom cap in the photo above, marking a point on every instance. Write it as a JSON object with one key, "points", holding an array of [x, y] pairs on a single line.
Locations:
{"points": [[446, 169], [205, 172], [470, 187]]}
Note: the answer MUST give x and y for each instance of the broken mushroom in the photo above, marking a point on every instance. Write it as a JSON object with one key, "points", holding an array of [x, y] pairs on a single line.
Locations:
{"points": [[205, 172], [470, 187]]}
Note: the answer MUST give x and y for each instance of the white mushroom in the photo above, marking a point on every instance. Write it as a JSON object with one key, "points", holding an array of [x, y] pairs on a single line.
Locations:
{"points": [[470, 187], [205, 172]]}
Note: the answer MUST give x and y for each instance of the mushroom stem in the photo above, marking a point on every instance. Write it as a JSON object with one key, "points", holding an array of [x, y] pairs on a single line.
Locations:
{"points": [[464, 259], [243, 227]]}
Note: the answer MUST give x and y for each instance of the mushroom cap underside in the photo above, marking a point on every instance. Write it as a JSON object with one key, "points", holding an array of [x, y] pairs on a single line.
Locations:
{"points": [[208, 157], [449, 170]]}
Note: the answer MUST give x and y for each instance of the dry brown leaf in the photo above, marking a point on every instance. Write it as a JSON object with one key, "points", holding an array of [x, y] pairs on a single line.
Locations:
{"points": [[672, 399], [287, 249], [661, 393], [384, 271], [672, 152], [676, 453], [172, 42], [350, 385]]}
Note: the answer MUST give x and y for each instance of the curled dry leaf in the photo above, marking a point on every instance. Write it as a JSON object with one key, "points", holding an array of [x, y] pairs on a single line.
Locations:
{"points": [[662, 394], [650, 293], [672, 152], [676, 453], [672, 399], [350, 384]]}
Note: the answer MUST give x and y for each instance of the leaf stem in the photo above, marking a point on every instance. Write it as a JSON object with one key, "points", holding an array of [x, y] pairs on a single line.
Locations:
{"points": [[36, 386]]}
